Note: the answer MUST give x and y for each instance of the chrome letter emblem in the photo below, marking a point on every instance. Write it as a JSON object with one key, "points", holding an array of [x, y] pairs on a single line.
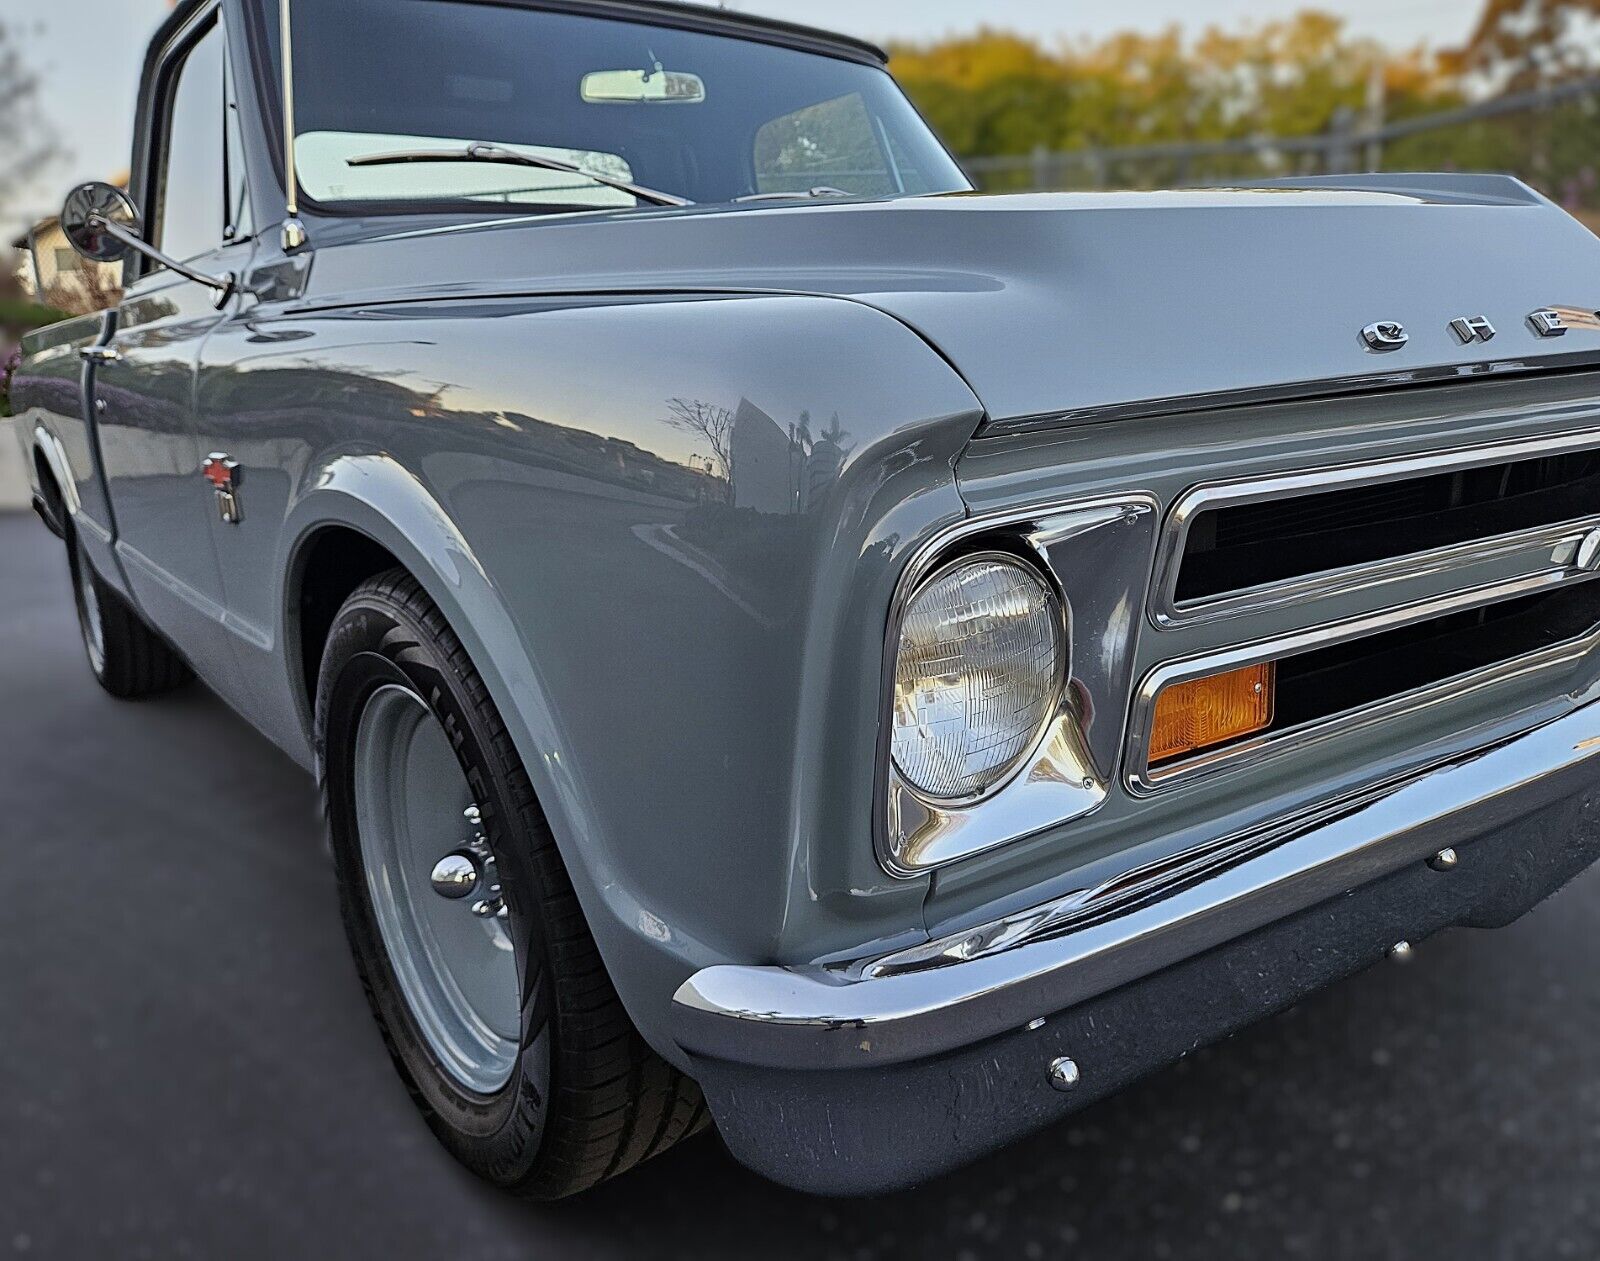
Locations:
{"points": [[225, 477], [1557, 321], [1548, 323], [1385, 335], [1472, 328]]}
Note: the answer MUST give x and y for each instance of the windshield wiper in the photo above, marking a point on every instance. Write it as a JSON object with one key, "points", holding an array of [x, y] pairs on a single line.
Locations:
{"points": [[822, 190], [510, 157]]}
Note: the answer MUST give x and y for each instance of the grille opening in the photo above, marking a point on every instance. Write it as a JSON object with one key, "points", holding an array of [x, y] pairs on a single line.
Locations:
{"points": [[1241, 546], [1326, 682]]}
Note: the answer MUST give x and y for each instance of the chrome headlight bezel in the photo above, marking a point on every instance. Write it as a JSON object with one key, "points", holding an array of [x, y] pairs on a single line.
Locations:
{"points": [[1096, 556]]}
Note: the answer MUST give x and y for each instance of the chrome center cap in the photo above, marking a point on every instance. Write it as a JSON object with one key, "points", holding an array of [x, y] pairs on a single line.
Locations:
{"points": [[454, 876]]}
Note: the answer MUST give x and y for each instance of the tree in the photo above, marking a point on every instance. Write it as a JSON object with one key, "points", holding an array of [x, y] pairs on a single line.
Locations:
{"points": [[86, 288], [1524, 44], [28, 146], [714, 425], [996, 93]]}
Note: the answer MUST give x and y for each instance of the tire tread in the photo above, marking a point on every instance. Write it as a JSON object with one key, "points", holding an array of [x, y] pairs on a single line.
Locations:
{"points": [[138, 662]]}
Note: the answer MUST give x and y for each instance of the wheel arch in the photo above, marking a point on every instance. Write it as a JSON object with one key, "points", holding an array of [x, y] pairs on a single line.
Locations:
{"points": [[330, 563], [366, 509], [53, 473], [367, 513]]}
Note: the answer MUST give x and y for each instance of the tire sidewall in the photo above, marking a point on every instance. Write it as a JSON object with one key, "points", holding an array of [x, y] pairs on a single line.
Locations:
{"points": [[79, 568], [374, 644]]}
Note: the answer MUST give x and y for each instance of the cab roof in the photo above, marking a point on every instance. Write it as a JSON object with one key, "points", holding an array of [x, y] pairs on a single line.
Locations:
{"points": [[697, 17]]}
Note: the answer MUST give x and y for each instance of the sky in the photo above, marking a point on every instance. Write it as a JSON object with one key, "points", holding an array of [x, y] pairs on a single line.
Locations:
{"points": [[89, 82]]}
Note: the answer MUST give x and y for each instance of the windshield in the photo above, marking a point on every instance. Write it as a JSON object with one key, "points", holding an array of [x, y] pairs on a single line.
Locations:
{"points": [[703, 117]]}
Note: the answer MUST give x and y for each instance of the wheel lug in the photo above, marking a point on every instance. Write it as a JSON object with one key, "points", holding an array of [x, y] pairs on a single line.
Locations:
{"points": [[454, 876], [490, 908]]}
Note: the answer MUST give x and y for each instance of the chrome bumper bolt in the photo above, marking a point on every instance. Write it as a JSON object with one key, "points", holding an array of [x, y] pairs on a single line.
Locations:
{"points": [[1445, 860], [1063, 1074]]}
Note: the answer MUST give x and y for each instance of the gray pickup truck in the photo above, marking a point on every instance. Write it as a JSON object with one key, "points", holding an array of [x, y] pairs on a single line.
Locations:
{"points": [[785, 641]]}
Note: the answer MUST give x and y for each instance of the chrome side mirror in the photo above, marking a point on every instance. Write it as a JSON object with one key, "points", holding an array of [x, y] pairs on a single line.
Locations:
{"points": [[86, 217], [102, 223]]}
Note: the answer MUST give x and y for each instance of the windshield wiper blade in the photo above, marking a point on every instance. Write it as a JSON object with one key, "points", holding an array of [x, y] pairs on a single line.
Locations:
{"points": [[822, 190], [510, 157]]}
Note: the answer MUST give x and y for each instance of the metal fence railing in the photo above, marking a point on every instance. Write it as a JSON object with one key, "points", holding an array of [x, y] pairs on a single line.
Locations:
{"points": [[1549, 136]]}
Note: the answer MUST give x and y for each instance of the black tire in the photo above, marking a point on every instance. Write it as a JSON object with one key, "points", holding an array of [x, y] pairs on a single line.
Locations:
{"points": [[610, 1101], [127, 658]]}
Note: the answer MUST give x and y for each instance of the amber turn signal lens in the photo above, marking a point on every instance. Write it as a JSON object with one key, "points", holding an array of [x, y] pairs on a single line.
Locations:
{"points": [[1205, 712]]}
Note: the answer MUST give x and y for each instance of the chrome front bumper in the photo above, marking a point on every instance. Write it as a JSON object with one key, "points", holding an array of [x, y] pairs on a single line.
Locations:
{"points": [[865, 1017]]}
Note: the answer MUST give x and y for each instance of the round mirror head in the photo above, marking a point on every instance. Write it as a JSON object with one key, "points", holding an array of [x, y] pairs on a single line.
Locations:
{"points": [[89, 202]]}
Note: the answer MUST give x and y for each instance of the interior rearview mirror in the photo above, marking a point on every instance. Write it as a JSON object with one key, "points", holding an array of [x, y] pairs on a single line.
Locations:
{"points": [[643, 87], [89, 208]]}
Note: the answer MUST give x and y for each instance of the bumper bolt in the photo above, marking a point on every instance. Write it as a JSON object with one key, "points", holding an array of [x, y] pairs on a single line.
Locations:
{"points": [[1401, 952], [1445, 860], [1063, 1074]]}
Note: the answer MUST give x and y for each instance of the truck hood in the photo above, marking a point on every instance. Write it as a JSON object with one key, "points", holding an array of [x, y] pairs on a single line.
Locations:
{"points": [[1061, 305]]}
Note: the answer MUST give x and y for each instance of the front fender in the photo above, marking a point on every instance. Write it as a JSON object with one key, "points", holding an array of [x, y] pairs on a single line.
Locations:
{"points": [[668, 532], [376, 496]]}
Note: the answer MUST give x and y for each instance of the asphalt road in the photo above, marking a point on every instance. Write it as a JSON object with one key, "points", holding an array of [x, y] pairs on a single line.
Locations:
{"points": [[187, 1068]]}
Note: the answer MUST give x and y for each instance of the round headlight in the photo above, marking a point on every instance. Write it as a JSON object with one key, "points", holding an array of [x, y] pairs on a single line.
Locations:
{"points": [[979, 672]]}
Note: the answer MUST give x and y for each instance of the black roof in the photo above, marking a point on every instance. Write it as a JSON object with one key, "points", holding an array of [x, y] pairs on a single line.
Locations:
{"points": [[698, 17]]}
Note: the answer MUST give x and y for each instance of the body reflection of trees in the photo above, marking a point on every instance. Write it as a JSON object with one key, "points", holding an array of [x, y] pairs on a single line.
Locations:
{"points": [[713, 424], [772, 477], [340, 402]]}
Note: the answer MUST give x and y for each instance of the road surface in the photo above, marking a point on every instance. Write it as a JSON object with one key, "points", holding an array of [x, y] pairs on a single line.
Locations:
{"points": [[187, 1067]]}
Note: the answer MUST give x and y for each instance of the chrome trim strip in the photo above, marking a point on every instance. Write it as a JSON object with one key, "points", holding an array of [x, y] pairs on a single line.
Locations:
{"points": [[813, 1018], [55, 455], [1168, 612], [1084, 906], [1070, 769], [1142, 780], [1291, 392]]}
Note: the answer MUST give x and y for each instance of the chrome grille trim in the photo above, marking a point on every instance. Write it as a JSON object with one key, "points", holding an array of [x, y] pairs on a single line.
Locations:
{"points": [[1143, 780], [1168, 613]]}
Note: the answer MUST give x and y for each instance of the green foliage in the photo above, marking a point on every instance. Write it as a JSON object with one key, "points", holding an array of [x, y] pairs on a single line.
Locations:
{"points": [[997, 93], [1522, 44], [994, 94], [18, 315]]}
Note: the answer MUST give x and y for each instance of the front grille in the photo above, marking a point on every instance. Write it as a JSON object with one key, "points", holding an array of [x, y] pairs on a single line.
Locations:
{"points": [[1324, 683], [1236, 547]]}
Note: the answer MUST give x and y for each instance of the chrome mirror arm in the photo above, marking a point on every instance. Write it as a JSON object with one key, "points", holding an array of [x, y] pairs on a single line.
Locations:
{"points": [[224, 285]]}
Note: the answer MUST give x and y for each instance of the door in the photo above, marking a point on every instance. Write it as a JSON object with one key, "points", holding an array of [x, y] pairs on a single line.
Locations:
{"points": [[143, 378]]}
